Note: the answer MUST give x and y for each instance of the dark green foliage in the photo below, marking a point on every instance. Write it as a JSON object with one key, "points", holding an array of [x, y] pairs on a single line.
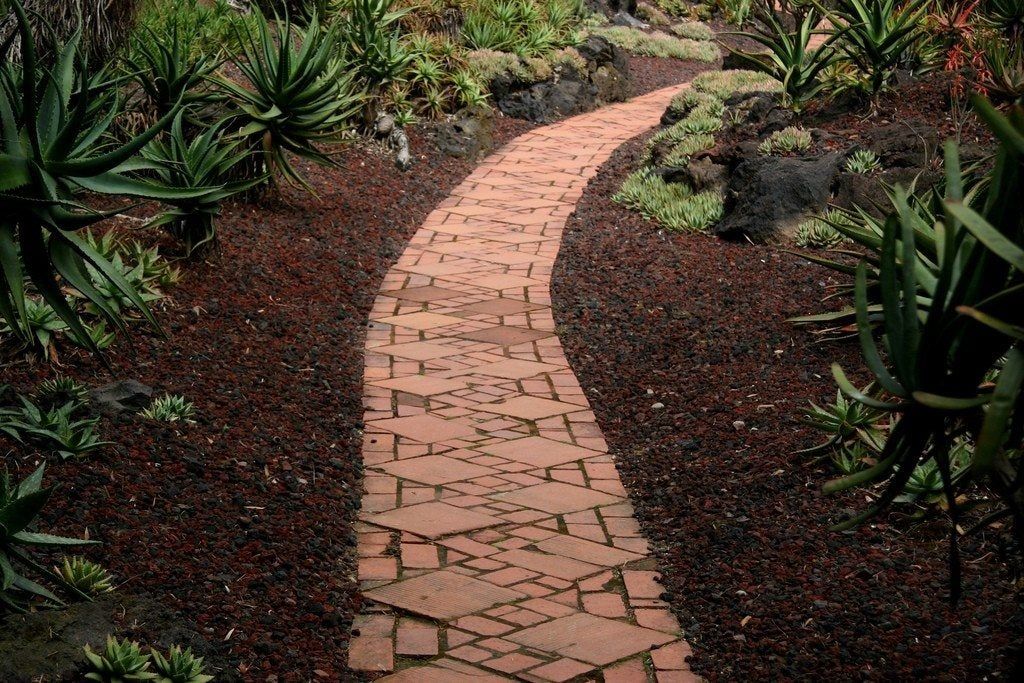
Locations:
{"points": [[877, 35], [20, 505], [50, 149], [299, 93], [790, 58], [936, 354], [169, 71], [205, 161]]}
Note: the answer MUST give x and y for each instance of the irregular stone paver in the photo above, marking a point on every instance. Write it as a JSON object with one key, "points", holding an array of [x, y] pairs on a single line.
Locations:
{"points": [[496, 541]]}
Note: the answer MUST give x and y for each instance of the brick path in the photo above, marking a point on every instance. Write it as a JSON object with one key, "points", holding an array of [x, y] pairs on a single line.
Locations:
{"points": [[496, 541]]}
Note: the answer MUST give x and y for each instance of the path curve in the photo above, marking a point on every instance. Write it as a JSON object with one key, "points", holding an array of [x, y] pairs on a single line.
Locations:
{"points": [[496, 540]]}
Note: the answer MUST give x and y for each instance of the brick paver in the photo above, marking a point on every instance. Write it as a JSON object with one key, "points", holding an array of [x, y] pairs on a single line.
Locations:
{"points": [[496, 541]]}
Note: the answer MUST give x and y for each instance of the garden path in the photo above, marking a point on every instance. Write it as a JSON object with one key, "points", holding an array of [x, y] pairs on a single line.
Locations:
{"points": [[496, 540]]}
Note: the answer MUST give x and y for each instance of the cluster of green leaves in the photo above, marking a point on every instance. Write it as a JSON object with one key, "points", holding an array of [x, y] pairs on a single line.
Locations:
{"points": [[20, 505], [790, 57], [55, 424], [862, 162], [522, 27], [786, 141], [370, 36], [658, 44], [121, 661], [53, 146], [817, 232], [299, 93], [674, 205], [170, 408], [938, 313]]}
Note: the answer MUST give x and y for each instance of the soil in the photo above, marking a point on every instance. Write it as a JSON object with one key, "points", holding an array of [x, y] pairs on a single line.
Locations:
{"points": [[647, 74], [240, 526], [763, 589]]}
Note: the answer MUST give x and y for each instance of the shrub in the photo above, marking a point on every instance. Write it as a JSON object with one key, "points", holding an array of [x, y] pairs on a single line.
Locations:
{"points": [[521, 26], [658, 44], [299, 94], [947, 330], [169, 71], [863, 161], [205, 161], [1002, 75], [877, 35], [119, 661], [674, 205], [20, 505], [179, 666], [369, 33], [786, 141], [790, 59], [50, 149]]}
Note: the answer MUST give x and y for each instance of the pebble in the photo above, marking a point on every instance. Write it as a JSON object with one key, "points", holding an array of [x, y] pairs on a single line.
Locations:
{"points": [[657, 406]]}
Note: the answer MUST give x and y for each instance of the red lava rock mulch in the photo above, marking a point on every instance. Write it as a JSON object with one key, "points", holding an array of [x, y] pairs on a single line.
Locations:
{"points": [[763, 589], [240, 525]]}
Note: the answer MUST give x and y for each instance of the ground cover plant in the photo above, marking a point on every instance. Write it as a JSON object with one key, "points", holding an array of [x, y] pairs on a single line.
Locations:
{"points": [[178, 80]]}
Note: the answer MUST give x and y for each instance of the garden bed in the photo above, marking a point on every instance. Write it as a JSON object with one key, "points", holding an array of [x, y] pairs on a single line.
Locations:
{"points": [[234, 534], [698, 382]]}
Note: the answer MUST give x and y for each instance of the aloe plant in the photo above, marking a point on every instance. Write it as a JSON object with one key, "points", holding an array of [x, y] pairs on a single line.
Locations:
{"points": [[299, 94], [876, 35], [934, 359], [790, 58], [20, 505], [120, 661], [50, 149], [168, 72], [204, 161]]}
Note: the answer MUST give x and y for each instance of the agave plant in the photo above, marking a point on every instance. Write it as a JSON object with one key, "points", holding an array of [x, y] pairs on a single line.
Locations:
{"points": [[179, 666], [935, 358], [369, 32], [205, 161], [85, 576], [790, 58], [120, 661], [49, 150], [1003, 74], [20, 504], [168, 72], [877, 35], [299, 93]]}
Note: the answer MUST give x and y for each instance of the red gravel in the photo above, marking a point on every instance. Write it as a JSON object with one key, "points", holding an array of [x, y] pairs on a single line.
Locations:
{"points": [[764, 590], [241, 524]]}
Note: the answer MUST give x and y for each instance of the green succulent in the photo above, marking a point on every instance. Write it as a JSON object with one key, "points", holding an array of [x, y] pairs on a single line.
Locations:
{"points": [[204, 160], [170, 408], [60, 390], [20, 505], [299, 93], [180, 666], [863, 162], [51, 148], [120, 661], [85, 576], [787, 140]]}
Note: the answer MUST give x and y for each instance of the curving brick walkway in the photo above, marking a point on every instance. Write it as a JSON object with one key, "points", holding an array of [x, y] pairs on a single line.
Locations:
{"points": [[496, 541]]}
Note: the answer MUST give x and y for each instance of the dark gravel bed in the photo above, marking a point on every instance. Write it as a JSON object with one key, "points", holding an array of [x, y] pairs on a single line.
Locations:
{"points": [[647, 74], [764, 590], [233, 534]]}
